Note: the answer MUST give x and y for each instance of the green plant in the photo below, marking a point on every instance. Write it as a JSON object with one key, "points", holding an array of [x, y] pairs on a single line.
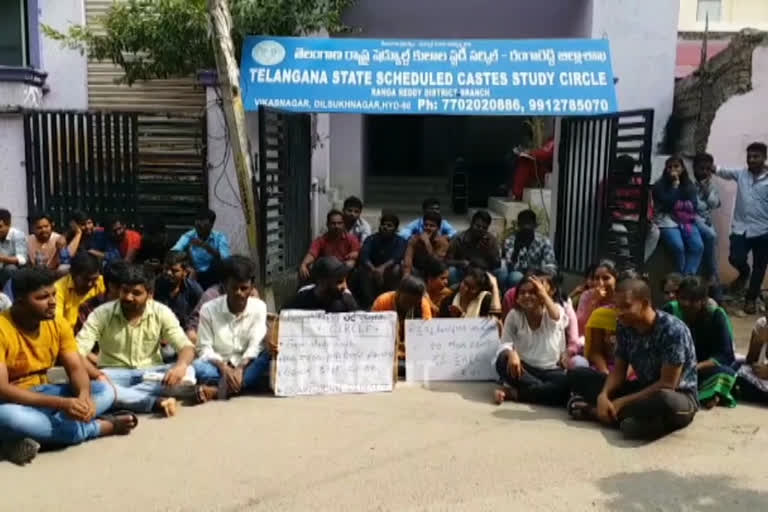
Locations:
{"points": [[170, 38]]}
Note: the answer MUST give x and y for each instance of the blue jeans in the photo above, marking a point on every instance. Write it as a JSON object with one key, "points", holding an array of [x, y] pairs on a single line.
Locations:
{"points": [[133, 393], [51, 426], [507, 279], [686, 246], [709, 239], [208, 373]]}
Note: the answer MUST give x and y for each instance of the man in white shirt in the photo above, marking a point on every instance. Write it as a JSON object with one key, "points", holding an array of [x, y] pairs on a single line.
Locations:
{"points": [[233, 356], [749, 229]]}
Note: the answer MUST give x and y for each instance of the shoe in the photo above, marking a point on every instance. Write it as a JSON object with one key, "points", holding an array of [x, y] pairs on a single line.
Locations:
{"points": [[21, 451], [750, 307]]}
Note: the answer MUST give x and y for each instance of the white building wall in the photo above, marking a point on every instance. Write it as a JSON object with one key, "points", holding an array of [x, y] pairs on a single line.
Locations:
{"points": [[67, 89], [643, 36], [739, 122], [67, 69], [223, 191], [14, 180]]}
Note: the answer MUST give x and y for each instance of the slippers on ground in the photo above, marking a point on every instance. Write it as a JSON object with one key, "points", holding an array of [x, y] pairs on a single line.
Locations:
{"points": [[120, 426]]}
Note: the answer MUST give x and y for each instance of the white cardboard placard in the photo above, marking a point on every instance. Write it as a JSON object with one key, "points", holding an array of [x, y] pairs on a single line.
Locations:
{"points": [[450, 349], [327, 353]]}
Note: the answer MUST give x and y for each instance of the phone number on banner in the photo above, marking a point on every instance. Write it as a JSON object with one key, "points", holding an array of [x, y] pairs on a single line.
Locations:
{"points": [[548, 106]]}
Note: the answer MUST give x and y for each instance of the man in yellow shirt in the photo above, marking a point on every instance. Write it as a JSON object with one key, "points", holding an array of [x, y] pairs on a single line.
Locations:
{"points": [[32, 411], [82, 283], [129, 331]]}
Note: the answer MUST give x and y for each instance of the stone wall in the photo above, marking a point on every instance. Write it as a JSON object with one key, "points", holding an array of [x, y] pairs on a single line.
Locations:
{"points": [[699, 96]]}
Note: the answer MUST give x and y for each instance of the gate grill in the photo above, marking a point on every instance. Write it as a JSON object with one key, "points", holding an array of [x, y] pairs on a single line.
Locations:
{"points": [[116, 163], [285, 173], [81, 160], [594, 218]]}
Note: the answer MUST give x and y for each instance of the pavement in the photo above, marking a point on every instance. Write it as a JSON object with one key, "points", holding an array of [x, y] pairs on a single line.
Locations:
{"points": [[443, 447]]}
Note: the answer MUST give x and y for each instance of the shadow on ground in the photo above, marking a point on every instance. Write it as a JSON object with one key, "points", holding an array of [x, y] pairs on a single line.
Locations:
{"points": [[473, 391], [653, 491]]}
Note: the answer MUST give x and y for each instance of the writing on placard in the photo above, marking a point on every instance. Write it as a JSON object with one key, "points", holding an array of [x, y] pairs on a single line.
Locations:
{"points": [[449, 349], [322, 353]]}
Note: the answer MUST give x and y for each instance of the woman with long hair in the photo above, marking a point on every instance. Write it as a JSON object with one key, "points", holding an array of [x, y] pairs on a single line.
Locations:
{"points": [[675, 199], [532, 359]]}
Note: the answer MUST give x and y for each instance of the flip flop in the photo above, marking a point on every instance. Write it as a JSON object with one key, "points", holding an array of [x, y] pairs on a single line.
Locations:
{"points": [[119, 426], [578, 407]]}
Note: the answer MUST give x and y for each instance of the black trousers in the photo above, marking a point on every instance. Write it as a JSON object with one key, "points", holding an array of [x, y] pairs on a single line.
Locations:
{"points": [[740, 248], [535, 386], [367, 288], [672, 410]]}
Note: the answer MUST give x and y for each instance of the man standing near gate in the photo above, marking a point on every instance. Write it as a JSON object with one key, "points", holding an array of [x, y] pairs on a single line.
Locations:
{"points": [[749, 229]]}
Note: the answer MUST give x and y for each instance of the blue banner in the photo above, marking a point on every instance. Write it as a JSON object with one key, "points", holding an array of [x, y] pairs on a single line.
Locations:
{"points": [[535, 77]]}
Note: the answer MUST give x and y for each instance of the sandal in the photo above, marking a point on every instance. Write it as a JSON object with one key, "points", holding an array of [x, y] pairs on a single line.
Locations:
{"points": [[120, 427], [578, 408], [203, 394]]}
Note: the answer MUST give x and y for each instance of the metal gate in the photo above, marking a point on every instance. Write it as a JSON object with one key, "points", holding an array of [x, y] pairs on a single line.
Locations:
{"points": [[126, 163], [602, 212], [284, 181]]}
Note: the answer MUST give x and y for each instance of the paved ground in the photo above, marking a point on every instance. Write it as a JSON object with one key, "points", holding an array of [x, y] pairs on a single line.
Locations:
{"points": [[444, 448]]}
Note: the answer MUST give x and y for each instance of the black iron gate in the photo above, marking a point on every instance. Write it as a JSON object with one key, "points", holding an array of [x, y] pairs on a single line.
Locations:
{"points": [[284, 181], [601, 209], [116, 163]]}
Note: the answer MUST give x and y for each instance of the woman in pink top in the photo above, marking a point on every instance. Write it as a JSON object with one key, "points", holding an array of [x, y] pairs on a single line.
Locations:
{"points": [[600, 295]]}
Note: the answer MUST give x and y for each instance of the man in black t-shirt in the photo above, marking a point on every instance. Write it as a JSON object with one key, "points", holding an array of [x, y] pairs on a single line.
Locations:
{"points": [[329, 293]]}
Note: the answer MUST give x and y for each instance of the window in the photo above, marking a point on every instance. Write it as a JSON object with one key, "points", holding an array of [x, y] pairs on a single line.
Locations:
{"points": [[712, 9], [13, 33]]}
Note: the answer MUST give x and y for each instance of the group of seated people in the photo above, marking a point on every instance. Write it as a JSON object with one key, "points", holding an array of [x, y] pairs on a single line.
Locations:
{"points": [[137, 337]]}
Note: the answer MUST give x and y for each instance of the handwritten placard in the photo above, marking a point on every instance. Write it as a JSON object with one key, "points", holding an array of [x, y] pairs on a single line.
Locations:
{"points": [[321, 353], [450, 349]]}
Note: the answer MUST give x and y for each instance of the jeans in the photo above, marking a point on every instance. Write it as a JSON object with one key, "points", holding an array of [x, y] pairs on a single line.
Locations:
{"points": [[740, 249], [709, 239], [507, 278], [536, 386], [686, 247], [51, 426], [673, 410], [253, 375], [133, 393]]}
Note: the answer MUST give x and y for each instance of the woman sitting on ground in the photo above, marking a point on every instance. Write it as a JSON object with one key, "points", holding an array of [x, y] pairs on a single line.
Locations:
{"points": [[588, 284], [472, 299], [410, 302], [600, 330], [601, 294], [437, 276], [574, 343], [532, 358], [713, 336]]}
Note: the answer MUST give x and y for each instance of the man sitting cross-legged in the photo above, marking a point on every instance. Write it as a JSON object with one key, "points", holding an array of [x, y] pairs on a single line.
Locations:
{"points": [[230, 337], [660, 350], [129, 332], [32, 411]]}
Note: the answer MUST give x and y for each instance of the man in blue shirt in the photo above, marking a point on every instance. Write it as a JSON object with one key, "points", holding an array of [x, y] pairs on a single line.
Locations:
{"points": [[659, 348], [416, 227], [749, 229], [205, 246]]}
